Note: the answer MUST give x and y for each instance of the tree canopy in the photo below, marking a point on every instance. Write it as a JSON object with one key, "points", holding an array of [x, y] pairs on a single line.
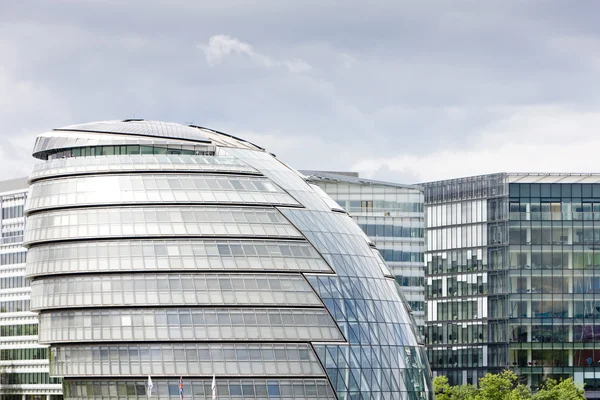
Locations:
{"points": [[506, 386]]}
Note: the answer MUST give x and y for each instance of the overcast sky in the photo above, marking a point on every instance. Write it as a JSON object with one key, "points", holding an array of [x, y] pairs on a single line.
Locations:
{"points": [[407, 91]]}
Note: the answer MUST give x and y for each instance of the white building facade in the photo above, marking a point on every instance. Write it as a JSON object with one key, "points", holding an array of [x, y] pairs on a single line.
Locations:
{"points": [[24, 370]]}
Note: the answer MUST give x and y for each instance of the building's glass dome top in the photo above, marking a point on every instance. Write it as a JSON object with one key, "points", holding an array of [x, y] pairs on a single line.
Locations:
{"points": [[178, 251]]}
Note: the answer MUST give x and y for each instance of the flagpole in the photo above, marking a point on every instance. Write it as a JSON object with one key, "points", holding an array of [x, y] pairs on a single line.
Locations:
{"points": [[149, 385], [214, 388]]}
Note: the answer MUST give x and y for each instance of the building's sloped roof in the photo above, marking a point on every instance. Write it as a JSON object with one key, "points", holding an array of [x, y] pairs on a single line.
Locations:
{"points": [[536, 177], [161, 129], [13, 184], [336, 177], [141, 128], [529, 177]]}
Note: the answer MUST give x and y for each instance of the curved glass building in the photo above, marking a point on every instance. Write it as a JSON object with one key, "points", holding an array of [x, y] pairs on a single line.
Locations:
{"points": [[183, 253]]}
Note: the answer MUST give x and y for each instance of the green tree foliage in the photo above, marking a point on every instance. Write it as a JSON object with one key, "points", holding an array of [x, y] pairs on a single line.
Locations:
{"points": [[565, 389], [506, 386], [464, 392], [496, 386], [520, 392], [443, 390]]}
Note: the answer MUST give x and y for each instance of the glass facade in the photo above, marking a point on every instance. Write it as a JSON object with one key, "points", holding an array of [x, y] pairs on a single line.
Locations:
{"points": [[151, 289], [183, 188], [180, 324], [23, 362], [520, 251], [92, 151], [131, 163], [466, 262], [178, 254], [227, 389], [392, 217], [554, 234], [224, 261]]}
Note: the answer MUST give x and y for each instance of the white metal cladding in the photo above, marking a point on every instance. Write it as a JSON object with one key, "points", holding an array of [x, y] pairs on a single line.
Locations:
{"points": [[141, 128]]}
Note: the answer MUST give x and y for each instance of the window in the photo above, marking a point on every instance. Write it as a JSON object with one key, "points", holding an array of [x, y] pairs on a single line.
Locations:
{"points": [[366, 205]]}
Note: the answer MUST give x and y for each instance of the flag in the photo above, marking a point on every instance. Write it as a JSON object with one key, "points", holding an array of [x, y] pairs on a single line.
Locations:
{"points": [[214, 388], [150, 386], [181, 388]]}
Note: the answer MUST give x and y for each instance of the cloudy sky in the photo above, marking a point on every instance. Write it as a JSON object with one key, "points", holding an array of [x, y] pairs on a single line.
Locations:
{"points": [[408, 91]]}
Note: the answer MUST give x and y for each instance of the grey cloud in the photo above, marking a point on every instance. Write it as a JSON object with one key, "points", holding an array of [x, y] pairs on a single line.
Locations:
{"points": [[407, 176], [360, 82], [221, 46]]}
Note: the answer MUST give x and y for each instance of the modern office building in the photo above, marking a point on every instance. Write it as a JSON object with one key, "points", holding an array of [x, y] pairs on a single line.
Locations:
{"points": [[512, 276], [24, 372], [392, 216], [183, 253]]}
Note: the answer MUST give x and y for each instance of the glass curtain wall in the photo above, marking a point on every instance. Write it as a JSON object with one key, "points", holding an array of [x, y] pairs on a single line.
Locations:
{"points": [[466, 242], [554, 279], [513, 270], [392, 216]]}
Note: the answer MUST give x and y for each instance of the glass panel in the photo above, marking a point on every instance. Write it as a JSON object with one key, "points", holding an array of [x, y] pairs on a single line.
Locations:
{"points": [[154, 289], [155, 325]]}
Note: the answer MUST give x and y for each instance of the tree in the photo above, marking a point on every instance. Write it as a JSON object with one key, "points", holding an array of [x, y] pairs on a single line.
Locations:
{"points": [[463, 392], [565, 389], [506, 386], [521, 392], [443, 390], [502, 386], [498, 386]]}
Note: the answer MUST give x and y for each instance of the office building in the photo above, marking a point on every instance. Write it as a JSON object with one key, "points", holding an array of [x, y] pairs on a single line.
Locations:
{"points": [[513, 269], [24, 373], [163, 250], [392, 216]]}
